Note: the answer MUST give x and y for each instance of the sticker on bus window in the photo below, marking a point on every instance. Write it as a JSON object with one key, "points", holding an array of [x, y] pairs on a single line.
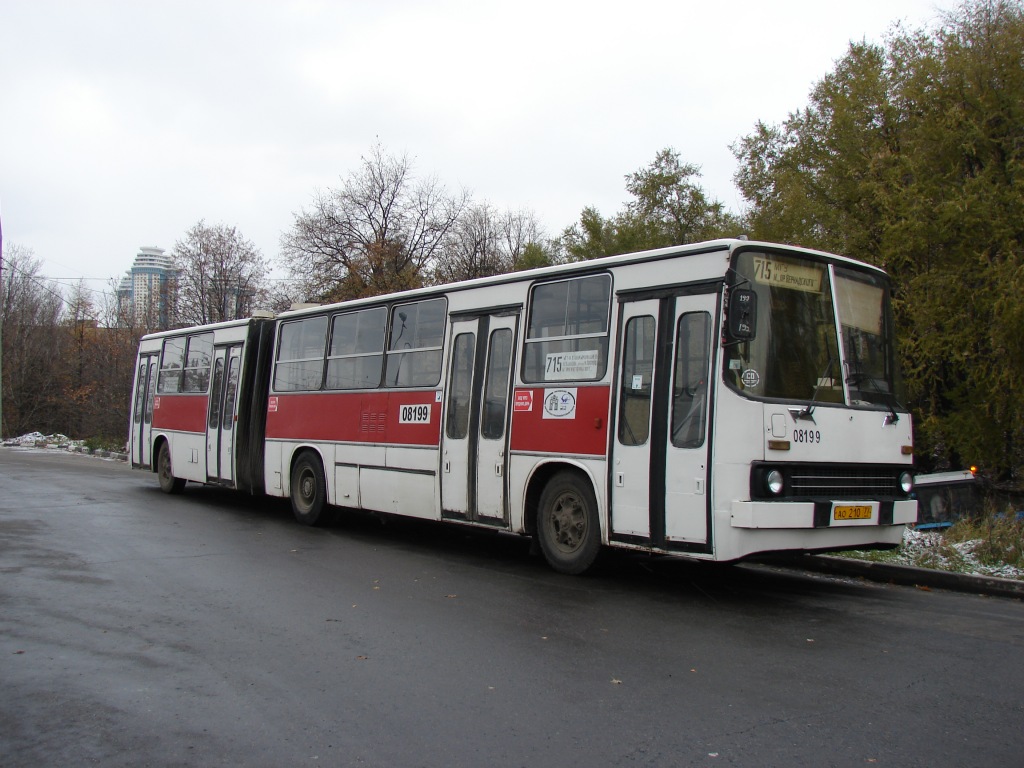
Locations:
{"points": [[559, 403], [414, 414], [567, 366], [271, 405], [751, 378]]}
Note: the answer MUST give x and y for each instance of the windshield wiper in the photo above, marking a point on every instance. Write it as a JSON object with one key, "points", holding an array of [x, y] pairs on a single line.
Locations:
{"points": [[807, 414], [888, 398]]}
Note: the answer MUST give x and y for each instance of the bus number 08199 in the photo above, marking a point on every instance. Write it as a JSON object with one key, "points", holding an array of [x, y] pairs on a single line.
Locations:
{"points": [[806, 436], [414, 414]]}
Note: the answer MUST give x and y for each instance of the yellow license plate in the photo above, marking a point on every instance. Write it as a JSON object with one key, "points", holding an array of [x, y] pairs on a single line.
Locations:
{"points": [[852, 512]]}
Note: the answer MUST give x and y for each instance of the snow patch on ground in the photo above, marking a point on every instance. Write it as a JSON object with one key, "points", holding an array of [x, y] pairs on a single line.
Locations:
{"points": [[930, 549], [39, 441]]}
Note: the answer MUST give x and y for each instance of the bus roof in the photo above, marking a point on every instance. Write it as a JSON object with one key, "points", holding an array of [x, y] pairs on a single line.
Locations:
{"points": [[259, 315], [556, 270]]}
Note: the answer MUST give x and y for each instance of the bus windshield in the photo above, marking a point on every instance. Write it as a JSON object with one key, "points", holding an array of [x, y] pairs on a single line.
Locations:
{"points": [[865, 326], [799, 353]]}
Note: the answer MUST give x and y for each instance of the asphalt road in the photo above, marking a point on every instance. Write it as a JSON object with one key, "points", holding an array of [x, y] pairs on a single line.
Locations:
{"points": [[210, 629]]}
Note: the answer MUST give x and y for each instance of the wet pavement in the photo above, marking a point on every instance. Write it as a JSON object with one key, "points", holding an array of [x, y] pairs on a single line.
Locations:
{"points": [[210, 629]]}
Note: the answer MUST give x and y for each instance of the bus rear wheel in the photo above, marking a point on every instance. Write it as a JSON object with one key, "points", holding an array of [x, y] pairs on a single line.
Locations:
{"points": [[567, 524], [309, 490], [165, 473]]}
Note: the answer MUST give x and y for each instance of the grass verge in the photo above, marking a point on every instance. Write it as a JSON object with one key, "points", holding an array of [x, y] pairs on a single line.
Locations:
{"points": [[990, 544]]}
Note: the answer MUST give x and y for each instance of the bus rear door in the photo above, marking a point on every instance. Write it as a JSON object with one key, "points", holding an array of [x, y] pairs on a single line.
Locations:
{"points": [[142, 413], [220, 423]]}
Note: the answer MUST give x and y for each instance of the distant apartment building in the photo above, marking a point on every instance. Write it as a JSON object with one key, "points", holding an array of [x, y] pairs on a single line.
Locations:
{"points": [[147, 294]]}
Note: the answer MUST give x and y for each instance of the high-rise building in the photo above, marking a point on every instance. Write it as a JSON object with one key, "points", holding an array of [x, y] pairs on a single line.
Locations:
{"points": [[148, 291]]}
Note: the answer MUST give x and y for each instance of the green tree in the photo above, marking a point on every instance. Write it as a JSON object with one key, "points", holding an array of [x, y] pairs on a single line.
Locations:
{"points": [[909, 155], [668, 207]]}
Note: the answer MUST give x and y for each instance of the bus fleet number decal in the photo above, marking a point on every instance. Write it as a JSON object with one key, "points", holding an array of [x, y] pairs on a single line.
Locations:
{"points": [[806, 436], [414, 414]]}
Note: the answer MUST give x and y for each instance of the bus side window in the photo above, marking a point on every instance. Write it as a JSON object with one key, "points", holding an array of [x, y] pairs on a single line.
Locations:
{"points": [[414, 352], [495, 405], [140, 388], [637, 378], [215, 398], [567, 331], [356, 355], [460, 388], [198, 358], [300, 355], [172, 361], [151, 391], [230, 392], [690, 380]]}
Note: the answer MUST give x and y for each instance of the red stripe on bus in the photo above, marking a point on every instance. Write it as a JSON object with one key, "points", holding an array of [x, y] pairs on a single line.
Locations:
{"points": [[550, 427], [398, 417], [186, 413]]}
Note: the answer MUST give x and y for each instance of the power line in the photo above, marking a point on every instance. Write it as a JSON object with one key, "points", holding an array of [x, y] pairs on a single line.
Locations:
{"points": [[38, 279]]}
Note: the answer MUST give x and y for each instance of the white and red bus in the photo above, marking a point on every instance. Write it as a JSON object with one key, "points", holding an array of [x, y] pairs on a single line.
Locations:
{"points": [[716, 400]]}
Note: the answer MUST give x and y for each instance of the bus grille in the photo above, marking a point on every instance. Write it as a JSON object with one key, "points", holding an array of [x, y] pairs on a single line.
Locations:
{"points": [[831, 481], [843, 482]]}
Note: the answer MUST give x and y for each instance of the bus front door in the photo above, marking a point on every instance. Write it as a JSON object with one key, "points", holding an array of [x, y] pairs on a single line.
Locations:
{"points": [[142, 412], [220, 424], [474, 436], [660, 451]]}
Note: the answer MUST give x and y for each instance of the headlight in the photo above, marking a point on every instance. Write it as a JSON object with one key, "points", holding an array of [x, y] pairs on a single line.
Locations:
{"points": [[906, 482], [774, 482]]}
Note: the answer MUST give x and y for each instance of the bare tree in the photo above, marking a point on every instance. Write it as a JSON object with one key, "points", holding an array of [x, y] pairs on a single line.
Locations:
{"points": [[525, 241], [115, 343], [475, 247], [486, 242], [220, 275], [32, 345], [380, 231], [80, 381]]}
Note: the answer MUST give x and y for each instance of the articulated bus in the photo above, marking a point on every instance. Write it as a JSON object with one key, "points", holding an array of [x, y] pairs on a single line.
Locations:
{"points": [[715, 401]]}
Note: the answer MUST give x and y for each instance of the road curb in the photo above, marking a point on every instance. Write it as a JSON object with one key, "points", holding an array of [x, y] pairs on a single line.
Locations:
{"points": [[909, 575], [80, 450]]}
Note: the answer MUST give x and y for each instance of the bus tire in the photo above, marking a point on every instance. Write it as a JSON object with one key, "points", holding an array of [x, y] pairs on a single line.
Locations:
{"points": [[165, 473], [309, 490], [568, 528]]}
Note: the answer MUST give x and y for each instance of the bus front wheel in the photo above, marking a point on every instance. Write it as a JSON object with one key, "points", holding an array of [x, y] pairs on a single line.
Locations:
{"points": [[168, 482], [309, 490], [567, 524]]}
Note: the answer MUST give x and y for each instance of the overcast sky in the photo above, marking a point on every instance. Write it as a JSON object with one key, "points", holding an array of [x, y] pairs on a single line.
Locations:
{"points": [[122, 124]]}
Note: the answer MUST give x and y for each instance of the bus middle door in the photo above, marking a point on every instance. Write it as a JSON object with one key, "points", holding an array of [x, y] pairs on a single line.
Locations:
{"points": [[474, 437]]}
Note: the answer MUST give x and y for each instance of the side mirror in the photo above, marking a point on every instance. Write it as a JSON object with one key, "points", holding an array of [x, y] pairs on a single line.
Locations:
{"points": [[742, 318]]}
